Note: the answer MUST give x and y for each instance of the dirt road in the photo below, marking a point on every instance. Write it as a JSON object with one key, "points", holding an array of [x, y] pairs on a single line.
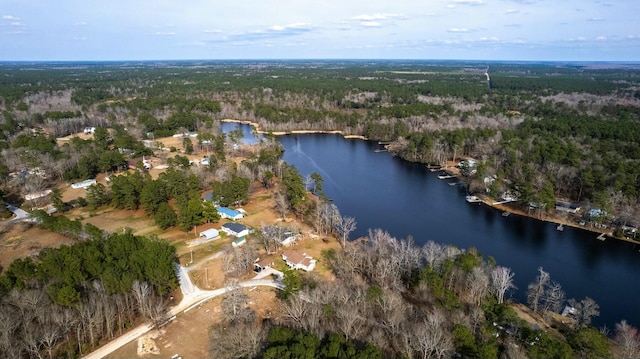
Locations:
{"points": [[192, 296]]}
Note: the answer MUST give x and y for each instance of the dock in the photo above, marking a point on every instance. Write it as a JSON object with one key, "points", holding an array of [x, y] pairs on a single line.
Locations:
{"points": [[446, 176], [506, 214], [560, 227], [602, 237]]}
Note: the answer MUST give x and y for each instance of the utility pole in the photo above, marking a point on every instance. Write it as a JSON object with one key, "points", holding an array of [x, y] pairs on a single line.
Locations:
{"points": [[206, 274], [191, 257]]}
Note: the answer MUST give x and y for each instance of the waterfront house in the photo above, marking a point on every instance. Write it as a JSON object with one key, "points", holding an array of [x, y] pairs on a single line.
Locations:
{"points": [[297, 260], [229, 213], [568, 207], [235, 229]]}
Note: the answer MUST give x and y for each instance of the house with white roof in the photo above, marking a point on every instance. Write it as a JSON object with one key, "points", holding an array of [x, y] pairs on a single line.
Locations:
{"points": [[209, 234]]}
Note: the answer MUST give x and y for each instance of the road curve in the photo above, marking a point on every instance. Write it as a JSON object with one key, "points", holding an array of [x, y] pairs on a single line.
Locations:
{"points": [[190, 300]]}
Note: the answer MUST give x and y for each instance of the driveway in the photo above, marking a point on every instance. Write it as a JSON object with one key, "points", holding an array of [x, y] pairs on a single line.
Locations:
{"points": [[20, 214]]}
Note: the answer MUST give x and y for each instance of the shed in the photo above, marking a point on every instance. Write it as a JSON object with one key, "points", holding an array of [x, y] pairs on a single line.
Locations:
{"points": [[239, 242], [209, 233]]}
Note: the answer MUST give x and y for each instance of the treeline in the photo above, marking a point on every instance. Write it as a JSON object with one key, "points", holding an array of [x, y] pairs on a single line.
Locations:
{"points": [[392, 299], [62, 302]]}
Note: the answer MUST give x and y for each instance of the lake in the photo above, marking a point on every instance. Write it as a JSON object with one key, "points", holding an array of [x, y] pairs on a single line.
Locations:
{"points": [[407, 200]]}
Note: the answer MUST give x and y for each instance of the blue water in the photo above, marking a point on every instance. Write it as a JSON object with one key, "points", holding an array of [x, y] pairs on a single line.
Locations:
{"points": [[405, 199]]}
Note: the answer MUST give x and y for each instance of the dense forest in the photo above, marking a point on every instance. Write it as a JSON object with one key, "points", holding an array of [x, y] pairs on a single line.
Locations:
{"points": [[538, 131], [65, 300]]}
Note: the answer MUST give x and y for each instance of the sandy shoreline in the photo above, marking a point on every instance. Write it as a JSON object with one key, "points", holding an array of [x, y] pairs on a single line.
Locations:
{"points": [[487, 201], [292, 132]]}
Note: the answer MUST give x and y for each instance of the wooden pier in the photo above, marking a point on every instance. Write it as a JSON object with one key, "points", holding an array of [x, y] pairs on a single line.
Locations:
{"points": [[602, 237], [560, 227], [446, 176]]}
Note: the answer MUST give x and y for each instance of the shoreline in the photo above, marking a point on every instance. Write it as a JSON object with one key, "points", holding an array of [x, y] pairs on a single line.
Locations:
{"points": [[485, 200], [293, 132]]}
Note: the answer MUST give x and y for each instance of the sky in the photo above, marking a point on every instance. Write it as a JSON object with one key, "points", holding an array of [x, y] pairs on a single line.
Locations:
{"points": [[520, 30]]}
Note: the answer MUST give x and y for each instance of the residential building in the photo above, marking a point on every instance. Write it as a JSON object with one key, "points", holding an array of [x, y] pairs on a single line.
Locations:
{"points": [[235, 229], [229, 213], [297, 260]]}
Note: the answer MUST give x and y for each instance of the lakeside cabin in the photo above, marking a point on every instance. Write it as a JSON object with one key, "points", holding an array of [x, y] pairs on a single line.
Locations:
{"points": [[568, 207]]}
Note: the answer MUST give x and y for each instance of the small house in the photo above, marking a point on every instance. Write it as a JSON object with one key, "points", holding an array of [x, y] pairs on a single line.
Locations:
{"points": [[229, 213], [297, 260], [238, 242], [83, 184], [209, 234], [289, 239], [205, 161], [568, 207], [235, 229], [207, 197]]}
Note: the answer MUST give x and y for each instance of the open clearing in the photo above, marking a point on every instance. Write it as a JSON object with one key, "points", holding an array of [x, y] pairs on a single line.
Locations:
{"points": [[20, 240]]}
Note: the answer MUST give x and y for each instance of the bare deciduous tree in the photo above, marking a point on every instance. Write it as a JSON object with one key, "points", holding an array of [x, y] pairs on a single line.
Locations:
{"points": [[235, 304], [345, 226], [553, 297], [627, 340], [535, 291], [501, 282], [142, 293], [586, 309]]}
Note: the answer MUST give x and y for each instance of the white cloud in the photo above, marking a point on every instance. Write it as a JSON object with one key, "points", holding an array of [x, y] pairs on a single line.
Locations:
{"points": [[595, 19], [270, 32], [370, 24], [468, 2], [212, 31], [458, 29], [374, 17], [512, 11], [81, 23], [9, 17], [165, 33], [601, 38]]}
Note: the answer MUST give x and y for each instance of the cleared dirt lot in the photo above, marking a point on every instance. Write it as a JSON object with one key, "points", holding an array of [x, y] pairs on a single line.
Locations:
{"points": [[20, 240]]}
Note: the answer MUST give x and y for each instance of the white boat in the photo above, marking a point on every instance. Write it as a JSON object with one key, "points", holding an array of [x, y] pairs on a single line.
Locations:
{"points": [[560, 227], [473, 199]]}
